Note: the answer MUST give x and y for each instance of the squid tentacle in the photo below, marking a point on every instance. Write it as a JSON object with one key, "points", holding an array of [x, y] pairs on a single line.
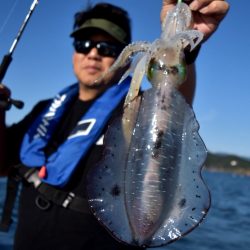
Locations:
{"points": [[125, 58], [132, 67], [139, 72], [178, 19], [188, 37], [128, 53]]}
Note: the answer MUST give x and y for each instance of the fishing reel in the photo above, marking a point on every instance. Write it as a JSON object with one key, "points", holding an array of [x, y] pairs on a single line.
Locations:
{"points": [[6, 101]]}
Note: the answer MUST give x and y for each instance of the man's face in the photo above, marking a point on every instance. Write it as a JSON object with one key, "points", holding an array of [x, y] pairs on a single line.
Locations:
{"points": [[88, 67]]}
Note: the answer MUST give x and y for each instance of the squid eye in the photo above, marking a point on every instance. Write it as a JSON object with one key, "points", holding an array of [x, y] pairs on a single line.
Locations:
{"points": [[154, 68], [179, 70]]}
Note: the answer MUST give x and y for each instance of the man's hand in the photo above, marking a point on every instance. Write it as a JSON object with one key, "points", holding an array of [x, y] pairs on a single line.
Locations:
{"points": [[207, 14], [4, 97]]}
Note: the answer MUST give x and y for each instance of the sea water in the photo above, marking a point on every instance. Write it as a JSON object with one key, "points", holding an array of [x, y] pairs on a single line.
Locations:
{"points": [[226, 227]]}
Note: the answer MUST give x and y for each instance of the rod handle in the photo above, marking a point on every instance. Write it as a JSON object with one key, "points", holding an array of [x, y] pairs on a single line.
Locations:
{"points": [[4, 65]]}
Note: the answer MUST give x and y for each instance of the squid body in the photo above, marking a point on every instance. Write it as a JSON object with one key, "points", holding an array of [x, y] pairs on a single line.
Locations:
{"points": [[147, 190]]}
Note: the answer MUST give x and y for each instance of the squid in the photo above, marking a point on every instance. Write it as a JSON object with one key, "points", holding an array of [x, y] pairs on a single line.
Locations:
{"points": [[148, 190]]}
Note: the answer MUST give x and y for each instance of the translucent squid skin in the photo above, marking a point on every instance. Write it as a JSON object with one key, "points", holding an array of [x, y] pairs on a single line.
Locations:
{"points": [[168, 50], [147, 190], [163, 189]]}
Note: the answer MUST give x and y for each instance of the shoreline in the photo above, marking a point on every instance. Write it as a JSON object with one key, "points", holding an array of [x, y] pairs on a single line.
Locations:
{"points": [[240, 171]]}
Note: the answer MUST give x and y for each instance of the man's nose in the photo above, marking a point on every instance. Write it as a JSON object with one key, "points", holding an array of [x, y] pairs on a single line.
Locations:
{"points": [[93, 53]]}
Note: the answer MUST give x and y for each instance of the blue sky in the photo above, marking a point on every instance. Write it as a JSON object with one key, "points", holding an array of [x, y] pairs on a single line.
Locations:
{"points": [[41, 63]]}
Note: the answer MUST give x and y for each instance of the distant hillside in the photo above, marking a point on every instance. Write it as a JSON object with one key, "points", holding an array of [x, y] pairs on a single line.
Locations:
{"points": [[228, 163]]}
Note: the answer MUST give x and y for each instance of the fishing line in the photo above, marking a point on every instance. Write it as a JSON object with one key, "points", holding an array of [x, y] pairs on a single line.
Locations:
{"points": [[8, 58], [8, 16]]}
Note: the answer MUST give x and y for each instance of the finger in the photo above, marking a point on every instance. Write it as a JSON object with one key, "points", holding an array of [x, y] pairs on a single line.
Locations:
{"points": [[173, 2], [197, 5], [215, 8], [4, 91], [166, 6], [166, 2]]}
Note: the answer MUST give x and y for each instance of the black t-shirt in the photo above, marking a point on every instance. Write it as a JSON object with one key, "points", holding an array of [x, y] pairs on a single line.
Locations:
{"points": [[57, 227]]}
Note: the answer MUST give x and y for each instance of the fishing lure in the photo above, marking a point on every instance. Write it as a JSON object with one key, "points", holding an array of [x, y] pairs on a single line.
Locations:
{"points": [[148, 190]]}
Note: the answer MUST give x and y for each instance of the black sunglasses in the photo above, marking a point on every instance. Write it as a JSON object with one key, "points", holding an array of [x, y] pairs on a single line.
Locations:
{"points": [[104, 48]]}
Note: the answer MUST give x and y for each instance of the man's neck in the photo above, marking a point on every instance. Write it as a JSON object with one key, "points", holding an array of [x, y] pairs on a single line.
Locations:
{"points": [[89, 93]]}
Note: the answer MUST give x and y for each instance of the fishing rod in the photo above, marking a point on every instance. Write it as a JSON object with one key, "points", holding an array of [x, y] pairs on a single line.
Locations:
{"points": [[8, 58]]}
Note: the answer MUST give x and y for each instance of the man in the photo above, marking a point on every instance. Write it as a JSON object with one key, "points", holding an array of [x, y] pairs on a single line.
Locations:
{"points": [[54, 214]]}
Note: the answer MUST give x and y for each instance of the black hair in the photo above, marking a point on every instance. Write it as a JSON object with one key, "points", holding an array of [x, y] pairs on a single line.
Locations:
{"points": [[106, 11]]}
